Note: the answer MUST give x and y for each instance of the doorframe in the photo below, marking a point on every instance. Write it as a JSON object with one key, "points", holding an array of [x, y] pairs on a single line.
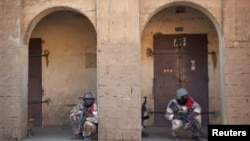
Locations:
{"points": [[220, 53]]}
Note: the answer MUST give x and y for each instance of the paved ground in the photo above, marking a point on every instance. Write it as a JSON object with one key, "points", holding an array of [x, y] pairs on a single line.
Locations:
{"points": [[164, 134], [65, 134]]}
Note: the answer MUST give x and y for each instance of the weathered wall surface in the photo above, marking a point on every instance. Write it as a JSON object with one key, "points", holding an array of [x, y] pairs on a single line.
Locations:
{"points": [[10, 69], [118, 63], [119, 25], [237, 64], [149, 8], [34, 11]]}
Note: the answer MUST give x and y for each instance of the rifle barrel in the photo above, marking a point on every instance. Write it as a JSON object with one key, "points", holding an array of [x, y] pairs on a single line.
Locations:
{"points": [[158, 112]]}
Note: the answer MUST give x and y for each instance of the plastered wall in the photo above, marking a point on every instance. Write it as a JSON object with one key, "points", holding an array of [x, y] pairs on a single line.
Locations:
{"points": [[70, 69], [121, 37]]}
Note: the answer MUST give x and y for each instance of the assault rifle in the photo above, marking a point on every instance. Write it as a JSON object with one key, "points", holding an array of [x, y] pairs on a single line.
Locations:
{"points": [[192, 124], [144, 116], [143, 111], [82, 120]]}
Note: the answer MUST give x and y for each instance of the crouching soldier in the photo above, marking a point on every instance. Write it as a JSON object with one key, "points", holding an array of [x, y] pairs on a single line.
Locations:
{"points": [[84, 118], [183, 103]]}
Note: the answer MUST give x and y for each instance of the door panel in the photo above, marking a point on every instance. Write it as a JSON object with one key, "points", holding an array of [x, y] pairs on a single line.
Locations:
{"points": [[35, 81], [165, 78], [165, 75], [180, 61]]}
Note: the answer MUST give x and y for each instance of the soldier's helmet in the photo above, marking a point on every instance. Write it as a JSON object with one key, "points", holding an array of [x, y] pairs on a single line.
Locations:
{"points": [[181, 96], [88, 99]]}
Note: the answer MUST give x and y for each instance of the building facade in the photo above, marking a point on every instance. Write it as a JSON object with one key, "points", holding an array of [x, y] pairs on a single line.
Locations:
{"points": [[52, 51]]}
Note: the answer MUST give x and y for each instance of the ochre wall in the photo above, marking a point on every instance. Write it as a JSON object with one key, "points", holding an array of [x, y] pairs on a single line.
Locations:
{"points": [[121, 28], [10, 71], [70, 69]]}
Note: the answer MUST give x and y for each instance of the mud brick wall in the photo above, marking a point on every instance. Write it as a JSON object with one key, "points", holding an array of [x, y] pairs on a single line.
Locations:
{"points": [[10, 92]]}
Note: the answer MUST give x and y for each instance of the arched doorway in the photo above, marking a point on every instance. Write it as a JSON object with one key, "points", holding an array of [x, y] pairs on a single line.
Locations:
{"points": [[171, 26], [63, 45]]}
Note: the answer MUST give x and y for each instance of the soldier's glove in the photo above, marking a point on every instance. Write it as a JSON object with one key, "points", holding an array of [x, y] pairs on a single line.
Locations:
{"points": [[177, 116], [191, 116]]}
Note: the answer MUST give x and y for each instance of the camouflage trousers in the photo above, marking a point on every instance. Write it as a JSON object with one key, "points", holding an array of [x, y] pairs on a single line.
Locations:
{"points": [[178, 124], [88, 128]]}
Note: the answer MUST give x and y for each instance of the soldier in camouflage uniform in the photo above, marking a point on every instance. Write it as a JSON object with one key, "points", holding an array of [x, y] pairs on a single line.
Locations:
{"points": [[182, 103], [84, 117]]}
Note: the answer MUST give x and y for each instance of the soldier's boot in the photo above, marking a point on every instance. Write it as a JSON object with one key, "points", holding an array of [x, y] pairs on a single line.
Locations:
{"points": [[78, 137], [174, 135], [196, 136]]}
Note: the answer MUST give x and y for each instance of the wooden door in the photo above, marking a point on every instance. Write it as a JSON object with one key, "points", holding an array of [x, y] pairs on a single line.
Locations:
{"points": [[180, 60], [35, 81]]}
